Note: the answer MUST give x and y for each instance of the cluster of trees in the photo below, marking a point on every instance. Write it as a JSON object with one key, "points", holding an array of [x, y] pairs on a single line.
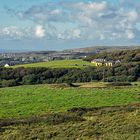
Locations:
{"points": [[24, 76], [124, 56], [126, 71]]}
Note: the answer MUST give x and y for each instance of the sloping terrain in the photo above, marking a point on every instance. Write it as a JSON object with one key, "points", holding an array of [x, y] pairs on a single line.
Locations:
{"points": [[107, 123], [59, 64]]}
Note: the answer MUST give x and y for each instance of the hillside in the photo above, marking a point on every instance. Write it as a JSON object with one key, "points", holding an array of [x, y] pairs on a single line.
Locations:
{"points": [[76, 63], [59, 112], [39, 99], [100, 49], [125, 56], [119, 123]]}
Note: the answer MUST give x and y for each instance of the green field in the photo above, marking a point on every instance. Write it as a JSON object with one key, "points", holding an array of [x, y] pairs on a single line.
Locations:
{"points": [[78, 63], [40, 99], [91, 111], [59, 112]]}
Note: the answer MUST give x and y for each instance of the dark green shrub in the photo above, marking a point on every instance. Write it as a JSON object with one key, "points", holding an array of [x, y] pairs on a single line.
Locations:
{"points": [[120, 84], [8, 83], [29, 79]]}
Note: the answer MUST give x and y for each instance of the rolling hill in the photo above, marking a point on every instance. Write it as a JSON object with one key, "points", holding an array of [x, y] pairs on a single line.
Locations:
{"points": [[77, 63]]}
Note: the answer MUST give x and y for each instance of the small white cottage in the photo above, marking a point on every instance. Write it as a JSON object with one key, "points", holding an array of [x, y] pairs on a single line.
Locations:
{"points": [[6, 65]]}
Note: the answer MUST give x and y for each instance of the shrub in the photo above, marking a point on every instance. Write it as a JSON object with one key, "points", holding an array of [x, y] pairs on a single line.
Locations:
{"points": [[29, 79], [8, 83], [120, 84]]}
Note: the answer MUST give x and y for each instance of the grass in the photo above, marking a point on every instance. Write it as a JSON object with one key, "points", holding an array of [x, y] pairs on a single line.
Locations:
{"points": [[93, 85], [24, 101], [90, 111], [78, 63], [105, 123]]}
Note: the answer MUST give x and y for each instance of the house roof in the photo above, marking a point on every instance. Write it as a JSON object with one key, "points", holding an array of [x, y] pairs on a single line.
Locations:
{"points": [[99, 60], [105, 61]]}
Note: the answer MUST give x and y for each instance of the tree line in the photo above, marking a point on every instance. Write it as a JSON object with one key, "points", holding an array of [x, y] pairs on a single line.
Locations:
{"points": [[124, 56], [24, 76]]}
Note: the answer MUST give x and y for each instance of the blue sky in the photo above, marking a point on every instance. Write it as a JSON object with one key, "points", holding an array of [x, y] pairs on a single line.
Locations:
{"points": [[65, 24]]}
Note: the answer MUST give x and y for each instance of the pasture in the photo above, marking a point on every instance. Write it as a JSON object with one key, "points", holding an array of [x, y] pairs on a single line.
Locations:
{"points": [[76, 63], [32, 100], [58, 111]]}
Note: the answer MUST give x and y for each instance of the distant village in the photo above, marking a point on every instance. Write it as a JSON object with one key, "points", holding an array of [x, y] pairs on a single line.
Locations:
{"points": [[14, 58], [10, 59]]}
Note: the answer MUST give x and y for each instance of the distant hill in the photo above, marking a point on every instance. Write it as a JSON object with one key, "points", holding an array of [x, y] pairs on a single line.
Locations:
{"points": [[92, 49], [97, 49], [124, 55], [77, 63]]}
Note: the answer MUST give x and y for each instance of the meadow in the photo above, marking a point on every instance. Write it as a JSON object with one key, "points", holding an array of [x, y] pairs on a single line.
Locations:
{"points": [[76, 63], [29, 100], [92, 111]]}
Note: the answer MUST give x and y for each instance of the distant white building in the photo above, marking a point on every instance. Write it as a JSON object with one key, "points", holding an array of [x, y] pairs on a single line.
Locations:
{"points": [[98, 62], [118, 61], [104, 62], [6, 65]]}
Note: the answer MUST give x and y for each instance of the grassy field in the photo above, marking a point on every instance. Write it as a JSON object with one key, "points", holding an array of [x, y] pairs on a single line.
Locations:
{"points": [[105, 123], [78, 63], [40, 99], [108, 123], [92, 111]]}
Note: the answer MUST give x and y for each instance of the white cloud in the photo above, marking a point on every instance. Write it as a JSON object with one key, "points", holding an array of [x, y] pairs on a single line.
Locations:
{"points": [[40, 31], [14, 32], [76, 33], [90, 6], [11, 32], [55, 12], [130, 34], [132, 15], [94, 20], [102, 37]]}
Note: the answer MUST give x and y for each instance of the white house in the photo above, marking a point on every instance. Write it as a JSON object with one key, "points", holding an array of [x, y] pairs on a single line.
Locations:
{"points": [[104, 62], [6, 65]]}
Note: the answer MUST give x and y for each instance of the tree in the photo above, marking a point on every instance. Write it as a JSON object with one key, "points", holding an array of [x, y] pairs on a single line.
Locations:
{"points": [[29, 79], [8, 83]]}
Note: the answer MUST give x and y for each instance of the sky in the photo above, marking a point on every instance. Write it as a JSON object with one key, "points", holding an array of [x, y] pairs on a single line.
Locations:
{"points": [[68, 24]]}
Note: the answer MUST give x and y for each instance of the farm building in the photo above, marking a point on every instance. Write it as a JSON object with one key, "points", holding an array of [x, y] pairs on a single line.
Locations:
{"points": [[98, 62], [101, 62], [109, 63]]}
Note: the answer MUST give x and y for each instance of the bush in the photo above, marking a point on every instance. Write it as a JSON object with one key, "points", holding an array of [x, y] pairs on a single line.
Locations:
{"points": [[29, 79], [51, 119], [131, 79], [138, 79], [8, 83], [120, 84], [120, 79]]}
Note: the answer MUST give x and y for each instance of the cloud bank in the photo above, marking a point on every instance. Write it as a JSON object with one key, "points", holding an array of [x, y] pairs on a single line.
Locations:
{"points": [[85, 20]]}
